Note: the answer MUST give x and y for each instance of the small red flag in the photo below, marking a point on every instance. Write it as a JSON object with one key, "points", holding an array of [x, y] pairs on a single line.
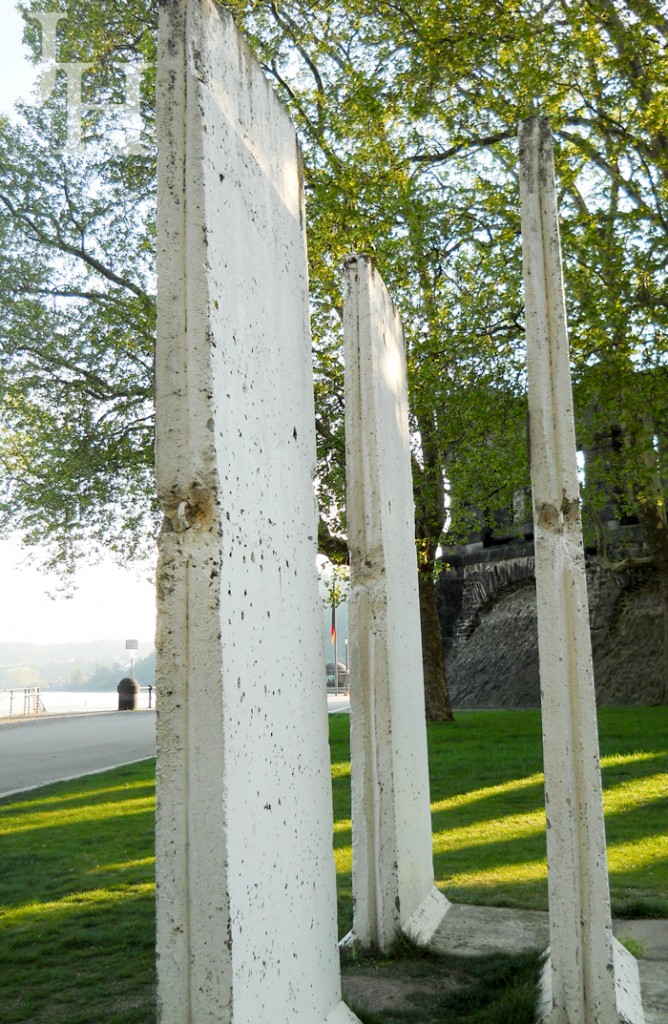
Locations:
{"points": [[333, 629]]}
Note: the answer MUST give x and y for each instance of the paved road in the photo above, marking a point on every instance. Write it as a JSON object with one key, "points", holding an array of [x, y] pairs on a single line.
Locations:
{"points": [[34, 752]]}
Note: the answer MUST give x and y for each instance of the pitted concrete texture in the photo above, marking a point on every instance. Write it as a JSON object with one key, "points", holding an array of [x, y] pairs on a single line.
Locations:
{"points": [[485, 931], [246, 886], [589, 978], [393, 873]]}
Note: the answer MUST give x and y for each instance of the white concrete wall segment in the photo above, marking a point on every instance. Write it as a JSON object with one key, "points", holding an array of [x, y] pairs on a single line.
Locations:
{"points": [[393, 876], [586, 973], [246, 887]]}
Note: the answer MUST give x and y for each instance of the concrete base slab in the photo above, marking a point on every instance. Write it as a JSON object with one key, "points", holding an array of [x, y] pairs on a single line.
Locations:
{"points": [[422, 925], [627, 985], [341, 1015], [654, 988], [627, 991], [485, 931], [426, 919]]}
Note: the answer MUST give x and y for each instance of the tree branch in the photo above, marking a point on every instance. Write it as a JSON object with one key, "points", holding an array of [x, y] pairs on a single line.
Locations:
{"points": [[460, 147]]}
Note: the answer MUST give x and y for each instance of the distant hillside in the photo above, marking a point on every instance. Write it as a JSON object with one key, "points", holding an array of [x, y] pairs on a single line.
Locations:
{"points": [[100, 664], [68, 665]]}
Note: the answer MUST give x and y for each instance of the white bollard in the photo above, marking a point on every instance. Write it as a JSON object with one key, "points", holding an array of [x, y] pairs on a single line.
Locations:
{"points": [[393, 874], [246, 915], [590, 978]]}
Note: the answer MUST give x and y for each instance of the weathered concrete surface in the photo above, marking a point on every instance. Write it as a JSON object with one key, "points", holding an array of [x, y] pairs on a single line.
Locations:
{"points": [[393, 878], [590, 979], [489, 931], [246, 927]]}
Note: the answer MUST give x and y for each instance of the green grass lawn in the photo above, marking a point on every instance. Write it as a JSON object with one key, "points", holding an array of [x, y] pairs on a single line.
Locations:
{"points": [[77, 890], [488, 816], [77, 895]]}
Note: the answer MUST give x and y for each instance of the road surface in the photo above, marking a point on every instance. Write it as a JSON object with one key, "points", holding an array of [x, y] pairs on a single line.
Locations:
{"points": [[36, 751]]}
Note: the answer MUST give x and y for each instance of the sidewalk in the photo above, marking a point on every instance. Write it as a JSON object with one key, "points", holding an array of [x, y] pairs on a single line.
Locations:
{"points": [[338, 702], [482, 931]]}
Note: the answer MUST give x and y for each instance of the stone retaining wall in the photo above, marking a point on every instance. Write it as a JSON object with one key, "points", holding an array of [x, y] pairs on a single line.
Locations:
{"points": [[488, 613]]}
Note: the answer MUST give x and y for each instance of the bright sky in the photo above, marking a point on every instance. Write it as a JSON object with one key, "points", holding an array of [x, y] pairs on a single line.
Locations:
{"points": [[16, 74], [110, 603]]}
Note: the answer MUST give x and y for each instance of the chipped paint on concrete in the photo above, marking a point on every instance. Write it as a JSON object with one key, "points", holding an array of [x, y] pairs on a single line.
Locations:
{"points": [[393, 876], [588, 979], [246, 918]]}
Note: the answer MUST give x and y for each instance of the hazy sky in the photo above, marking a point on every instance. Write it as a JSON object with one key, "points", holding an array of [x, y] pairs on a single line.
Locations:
{"points": [[110, 603]]}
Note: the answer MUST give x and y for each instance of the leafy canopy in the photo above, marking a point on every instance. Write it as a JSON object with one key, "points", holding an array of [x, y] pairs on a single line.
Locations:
{"points": [[408, 116]]}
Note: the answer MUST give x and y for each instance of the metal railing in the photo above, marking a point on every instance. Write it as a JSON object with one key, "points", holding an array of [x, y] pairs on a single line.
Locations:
{"points": [[24, 700]]}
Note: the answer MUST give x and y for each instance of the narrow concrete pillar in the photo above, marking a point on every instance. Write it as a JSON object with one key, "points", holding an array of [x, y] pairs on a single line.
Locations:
{"points": [[393, 875], [246, 914], [590, 978]]}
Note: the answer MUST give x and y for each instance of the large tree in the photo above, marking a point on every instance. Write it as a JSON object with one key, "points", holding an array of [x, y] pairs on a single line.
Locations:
{"points": [[408, 117], [78, 310]]}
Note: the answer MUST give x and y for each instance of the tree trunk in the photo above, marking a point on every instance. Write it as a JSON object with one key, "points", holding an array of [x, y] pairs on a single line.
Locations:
{"points": [[663, 585], [652, 517], [437, 699]]}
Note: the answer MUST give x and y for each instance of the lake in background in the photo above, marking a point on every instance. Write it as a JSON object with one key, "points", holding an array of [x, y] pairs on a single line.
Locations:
{"points": [[73, 702], [59, 702]]}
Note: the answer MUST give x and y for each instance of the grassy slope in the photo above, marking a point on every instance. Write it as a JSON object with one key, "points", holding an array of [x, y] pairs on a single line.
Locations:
{"points": [[76, 887]]}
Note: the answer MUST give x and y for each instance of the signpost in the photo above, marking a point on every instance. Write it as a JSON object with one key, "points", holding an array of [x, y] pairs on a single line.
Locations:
{"points": [[131, 645]]}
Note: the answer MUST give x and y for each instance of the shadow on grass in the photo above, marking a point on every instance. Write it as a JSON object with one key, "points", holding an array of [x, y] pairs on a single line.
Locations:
{"points": [[488, 807], [71, 837], [77, 930], [50, 863], [417, 987], [76, 962]]}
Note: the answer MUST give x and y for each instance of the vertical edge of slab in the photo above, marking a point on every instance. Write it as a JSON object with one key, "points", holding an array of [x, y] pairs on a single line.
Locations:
{"points": [[582, 968], [192, 919], [185, 458], [172, 936], [392, 842], [246, 877]]}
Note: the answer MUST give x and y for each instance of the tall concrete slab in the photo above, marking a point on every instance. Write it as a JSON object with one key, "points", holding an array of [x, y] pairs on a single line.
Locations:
{"points": [[393, 875], [590, 977], [246, 928]]}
